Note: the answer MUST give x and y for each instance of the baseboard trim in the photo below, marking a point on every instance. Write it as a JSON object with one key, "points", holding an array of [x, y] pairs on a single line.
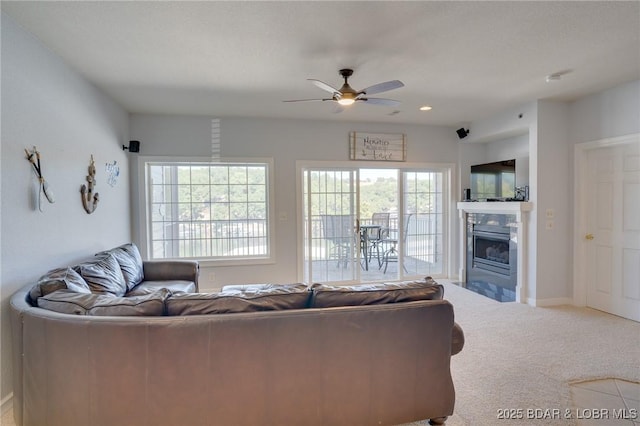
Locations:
{"points": [[6, 404], [542, 303]]}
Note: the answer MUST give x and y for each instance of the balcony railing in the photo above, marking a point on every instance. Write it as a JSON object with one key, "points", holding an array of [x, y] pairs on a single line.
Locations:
{"points": [[222, 238]]}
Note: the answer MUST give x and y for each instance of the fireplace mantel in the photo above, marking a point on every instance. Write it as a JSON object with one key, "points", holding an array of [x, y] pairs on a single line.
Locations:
{"points": [[496, 207], [518, 208]]}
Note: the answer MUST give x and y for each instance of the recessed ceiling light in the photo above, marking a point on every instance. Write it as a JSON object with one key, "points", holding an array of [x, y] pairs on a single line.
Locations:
{"points": [[426, 108]]}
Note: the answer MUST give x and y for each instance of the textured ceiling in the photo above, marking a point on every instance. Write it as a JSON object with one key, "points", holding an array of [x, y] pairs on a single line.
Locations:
{"points": [[466, 59]]}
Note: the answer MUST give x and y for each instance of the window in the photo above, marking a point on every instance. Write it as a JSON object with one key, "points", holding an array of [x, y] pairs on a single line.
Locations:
{"points": [[209, 211]]}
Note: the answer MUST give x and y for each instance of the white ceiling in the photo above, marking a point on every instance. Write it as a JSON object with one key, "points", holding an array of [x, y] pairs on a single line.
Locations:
{"points": [[234, 58]]}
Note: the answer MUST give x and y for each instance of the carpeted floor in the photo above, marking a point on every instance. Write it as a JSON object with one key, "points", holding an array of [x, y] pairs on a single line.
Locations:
{"points": [[520, 357]]}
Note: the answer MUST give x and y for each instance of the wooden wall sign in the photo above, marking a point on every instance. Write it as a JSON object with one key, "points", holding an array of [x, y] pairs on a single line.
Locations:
{"points": [[377, 146]]}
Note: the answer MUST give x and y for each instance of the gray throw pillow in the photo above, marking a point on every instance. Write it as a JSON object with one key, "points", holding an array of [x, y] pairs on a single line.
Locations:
{"points": [[104, 276], [326, 296], [130, 261], [67, 302], [58, 279]]}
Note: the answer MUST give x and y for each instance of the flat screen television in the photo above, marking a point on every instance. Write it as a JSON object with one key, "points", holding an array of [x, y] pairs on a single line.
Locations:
{"points": [[493, 181]]}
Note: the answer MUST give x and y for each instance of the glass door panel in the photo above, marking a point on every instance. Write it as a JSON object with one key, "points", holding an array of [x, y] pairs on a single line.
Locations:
{"points": [[422, 245], [379, 207], [330, 239]]}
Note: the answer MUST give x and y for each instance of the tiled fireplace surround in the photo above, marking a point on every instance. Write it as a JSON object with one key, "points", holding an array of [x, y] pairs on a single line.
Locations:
{"points": [[516, 213]]}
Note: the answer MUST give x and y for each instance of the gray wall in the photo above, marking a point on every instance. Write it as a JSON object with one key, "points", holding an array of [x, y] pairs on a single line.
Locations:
{"points": [[46, 104], [285, 141]]}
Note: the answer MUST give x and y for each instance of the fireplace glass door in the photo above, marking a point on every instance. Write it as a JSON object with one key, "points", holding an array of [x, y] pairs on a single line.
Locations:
{"points": [[491, 251]]}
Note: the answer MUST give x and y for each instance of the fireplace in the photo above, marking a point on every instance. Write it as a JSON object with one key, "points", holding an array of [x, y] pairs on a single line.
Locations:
{"points": [[492, 256], [491, 248], [497, 276]]}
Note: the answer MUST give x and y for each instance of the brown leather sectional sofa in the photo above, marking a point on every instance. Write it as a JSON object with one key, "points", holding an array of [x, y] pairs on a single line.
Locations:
{"points": [[155, 354]]}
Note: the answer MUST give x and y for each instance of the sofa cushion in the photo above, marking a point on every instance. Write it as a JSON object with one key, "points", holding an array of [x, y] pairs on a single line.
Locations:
{"points": [[58, 279], [264, 298], [243, 287], [68, 302], [103, 275], [130, 261], [326, 296], [175, 286]]}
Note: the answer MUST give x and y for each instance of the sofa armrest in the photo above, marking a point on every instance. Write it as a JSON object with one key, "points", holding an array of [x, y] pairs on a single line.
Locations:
{"points": [[161, 270], [457, 339]]}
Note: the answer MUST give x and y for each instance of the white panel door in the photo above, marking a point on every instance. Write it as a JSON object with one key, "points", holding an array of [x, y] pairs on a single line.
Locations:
{"points": [[613, 236]]}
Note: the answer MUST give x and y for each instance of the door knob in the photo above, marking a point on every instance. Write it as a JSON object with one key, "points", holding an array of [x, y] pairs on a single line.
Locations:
{"points": [[589, 236]]}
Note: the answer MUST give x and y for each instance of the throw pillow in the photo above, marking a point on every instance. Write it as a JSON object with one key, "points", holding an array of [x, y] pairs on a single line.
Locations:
{"points": [[58, 279], [130, 261], [67, 302], [326, 296], [104, 276], [270, 297]]}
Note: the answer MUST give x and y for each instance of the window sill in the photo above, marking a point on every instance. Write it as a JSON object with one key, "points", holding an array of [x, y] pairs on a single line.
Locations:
{"points": [[235, 262]]}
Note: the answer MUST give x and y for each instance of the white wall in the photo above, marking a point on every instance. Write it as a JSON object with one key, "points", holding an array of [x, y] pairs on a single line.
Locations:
{"points": [[501, 137], [504, 125], [516, 147], [285, 141], [46, 104], [511, 133], [552, 128], [486, 152], [554, 253], [538, 134], [606, 114], [469, 154]]}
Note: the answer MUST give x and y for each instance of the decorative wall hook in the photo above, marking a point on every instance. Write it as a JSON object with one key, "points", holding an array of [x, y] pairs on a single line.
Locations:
{"points": [[89, 199], [33, 157]]}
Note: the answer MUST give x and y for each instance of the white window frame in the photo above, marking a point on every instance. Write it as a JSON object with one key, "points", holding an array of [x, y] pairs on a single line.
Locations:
{"points": [[144, 187]]}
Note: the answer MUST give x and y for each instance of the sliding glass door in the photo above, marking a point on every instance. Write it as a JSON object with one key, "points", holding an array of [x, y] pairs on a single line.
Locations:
{"points": [[373, 224]]}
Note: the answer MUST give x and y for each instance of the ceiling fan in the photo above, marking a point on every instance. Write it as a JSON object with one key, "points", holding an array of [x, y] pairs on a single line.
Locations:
{"points": [[347, 95]]}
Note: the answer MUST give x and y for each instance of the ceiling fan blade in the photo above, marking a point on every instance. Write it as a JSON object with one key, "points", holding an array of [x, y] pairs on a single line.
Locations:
{"points": [[324, 86], [307, 100], [382, 87], [381, 101]]}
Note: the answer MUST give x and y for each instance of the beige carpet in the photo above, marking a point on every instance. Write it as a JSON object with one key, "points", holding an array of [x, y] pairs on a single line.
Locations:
{"points": [[520, 357]]}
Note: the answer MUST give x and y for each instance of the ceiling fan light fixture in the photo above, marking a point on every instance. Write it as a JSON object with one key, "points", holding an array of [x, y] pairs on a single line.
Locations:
{"points": [[346, 101], [346, 96]]}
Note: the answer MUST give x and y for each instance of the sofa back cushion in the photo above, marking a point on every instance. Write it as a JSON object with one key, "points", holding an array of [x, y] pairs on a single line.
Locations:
{"points": [[68, 302], [326, 296], [103, 275], [263, 298], [130, 261], [58, 279]]}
